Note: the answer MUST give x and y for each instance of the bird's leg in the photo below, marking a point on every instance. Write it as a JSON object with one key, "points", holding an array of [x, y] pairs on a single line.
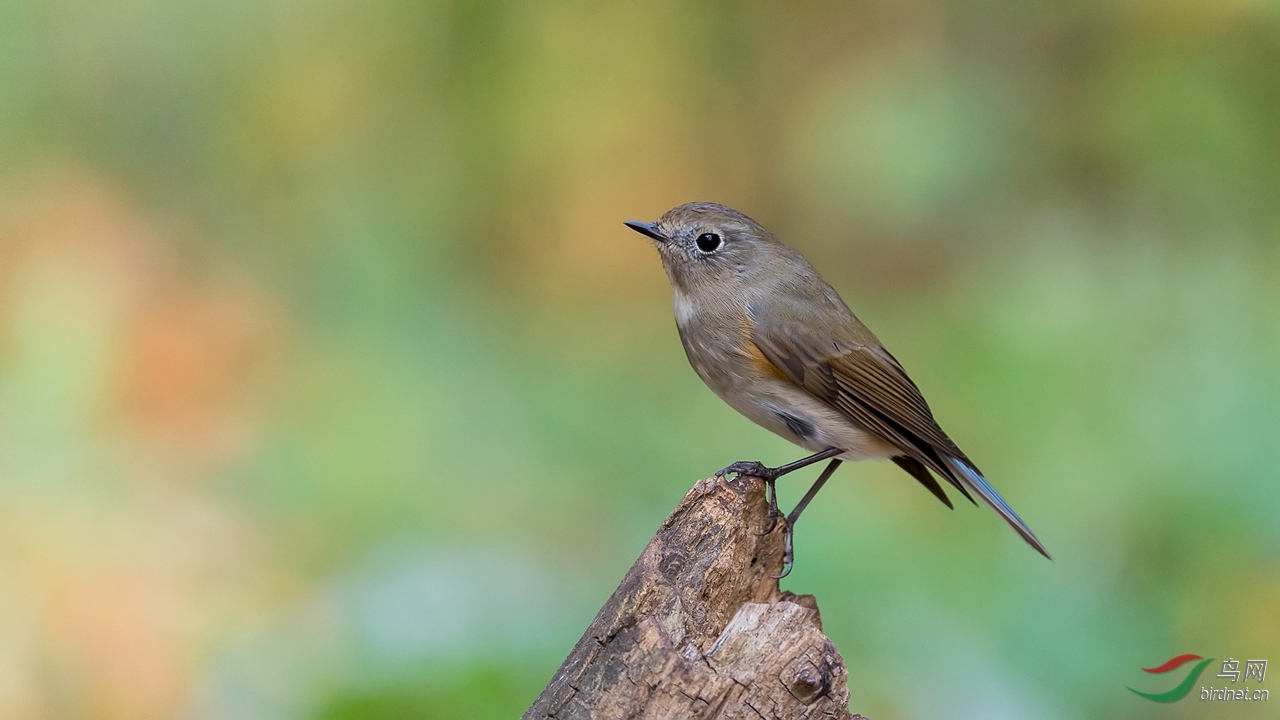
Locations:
{"points": [[788, 553], [770, 475], [757, 469], [771, 492]]}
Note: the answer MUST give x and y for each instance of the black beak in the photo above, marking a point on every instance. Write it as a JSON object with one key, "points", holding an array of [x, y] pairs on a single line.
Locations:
{"points": [[644, 228]]}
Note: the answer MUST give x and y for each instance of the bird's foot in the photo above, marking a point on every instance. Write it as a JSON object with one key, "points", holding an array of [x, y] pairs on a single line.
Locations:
{"points": [[752, 468], [769, 475]]}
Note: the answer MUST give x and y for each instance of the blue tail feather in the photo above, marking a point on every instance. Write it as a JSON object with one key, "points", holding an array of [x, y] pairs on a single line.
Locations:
{"points": [[971, 477]]}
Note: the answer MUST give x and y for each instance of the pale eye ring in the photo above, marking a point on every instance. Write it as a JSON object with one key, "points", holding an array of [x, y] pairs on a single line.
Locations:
{"points": [[709, 242]]}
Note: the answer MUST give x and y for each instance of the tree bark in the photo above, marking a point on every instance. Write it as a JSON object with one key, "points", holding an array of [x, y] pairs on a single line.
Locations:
{"points": [[699, 629]]}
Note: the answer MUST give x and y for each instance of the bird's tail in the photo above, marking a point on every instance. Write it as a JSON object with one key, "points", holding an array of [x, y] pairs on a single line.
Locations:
{"points": [[973, 479]]}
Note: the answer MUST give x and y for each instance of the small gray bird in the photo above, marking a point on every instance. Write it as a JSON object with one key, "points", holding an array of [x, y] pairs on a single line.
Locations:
{"points": [[768, 335]]}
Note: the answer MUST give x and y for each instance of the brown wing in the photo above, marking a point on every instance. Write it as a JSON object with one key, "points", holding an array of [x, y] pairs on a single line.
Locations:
{"points": [[845, 366], [867, 384]]}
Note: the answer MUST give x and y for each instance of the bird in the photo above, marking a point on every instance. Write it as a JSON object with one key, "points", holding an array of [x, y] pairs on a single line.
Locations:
{"points": [[776, 342]]}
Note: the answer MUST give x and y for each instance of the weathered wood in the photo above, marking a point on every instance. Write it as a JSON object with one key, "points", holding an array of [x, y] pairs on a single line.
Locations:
{"points": [[699, 629]]}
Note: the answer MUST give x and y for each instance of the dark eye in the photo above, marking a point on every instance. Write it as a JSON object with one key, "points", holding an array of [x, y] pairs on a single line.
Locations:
{"points": [[708, 242]]}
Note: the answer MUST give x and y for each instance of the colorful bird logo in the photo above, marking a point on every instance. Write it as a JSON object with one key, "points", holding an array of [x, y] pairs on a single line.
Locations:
{"points": [[1183, 687]]}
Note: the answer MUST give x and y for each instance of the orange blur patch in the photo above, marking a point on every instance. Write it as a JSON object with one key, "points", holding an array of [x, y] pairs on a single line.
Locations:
{"points": [[190, 356], [117, 635], [114, 597]]}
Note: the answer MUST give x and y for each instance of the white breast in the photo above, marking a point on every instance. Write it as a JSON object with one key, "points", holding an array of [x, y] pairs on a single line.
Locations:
{"points": [[684, 308]]}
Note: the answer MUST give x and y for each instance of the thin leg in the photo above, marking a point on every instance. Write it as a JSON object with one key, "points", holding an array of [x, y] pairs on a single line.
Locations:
{"points": [[771, 493], [808, 497], [756, 469], [769, 475], [788, 554]]}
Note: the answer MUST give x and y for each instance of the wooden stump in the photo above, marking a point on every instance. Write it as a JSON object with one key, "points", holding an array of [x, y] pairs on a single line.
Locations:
{"points": [[699, 629]]}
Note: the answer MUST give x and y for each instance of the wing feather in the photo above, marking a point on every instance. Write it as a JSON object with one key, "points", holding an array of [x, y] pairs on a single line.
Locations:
{"points": [[857, 376]]}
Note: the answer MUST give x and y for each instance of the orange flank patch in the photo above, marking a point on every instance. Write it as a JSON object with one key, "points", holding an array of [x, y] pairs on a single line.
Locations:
{"points": [[761, 363]]}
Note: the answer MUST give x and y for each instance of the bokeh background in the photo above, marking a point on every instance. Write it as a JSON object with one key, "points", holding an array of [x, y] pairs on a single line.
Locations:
{"points": [[331, 385]]}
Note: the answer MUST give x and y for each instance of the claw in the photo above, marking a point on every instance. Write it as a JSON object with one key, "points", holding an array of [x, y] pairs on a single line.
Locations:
{"points": [[752, 468]]}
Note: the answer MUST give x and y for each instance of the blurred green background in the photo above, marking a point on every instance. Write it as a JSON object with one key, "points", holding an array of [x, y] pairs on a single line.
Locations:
{"points": [[332, 386]]}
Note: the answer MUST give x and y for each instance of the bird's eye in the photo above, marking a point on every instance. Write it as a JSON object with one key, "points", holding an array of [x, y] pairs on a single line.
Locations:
{"points": [[708, 242]]}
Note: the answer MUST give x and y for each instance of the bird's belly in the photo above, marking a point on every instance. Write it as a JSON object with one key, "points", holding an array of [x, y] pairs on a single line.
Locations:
{"points": [[771, 401], [806, 421], [782, 408]]}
